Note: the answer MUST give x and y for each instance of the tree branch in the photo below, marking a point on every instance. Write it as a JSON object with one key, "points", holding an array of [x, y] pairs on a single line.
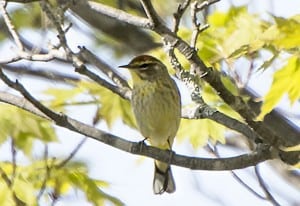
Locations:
{"points": [[216, 153], [10, 26], [72, 154], [91, 12], [120, 15], [41, 73], [195, 163], [91, 58], [203, 111], [122, 92], [178, 15], [263, 185], [23, 1]]}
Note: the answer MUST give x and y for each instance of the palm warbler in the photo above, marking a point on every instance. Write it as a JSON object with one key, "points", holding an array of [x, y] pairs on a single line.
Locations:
{"points": [[157, 108]]}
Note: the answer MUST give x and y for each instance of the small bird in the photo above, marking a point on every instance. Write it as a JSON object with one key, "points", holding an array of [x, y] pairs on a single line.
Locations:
{"points": [[156, 106]]}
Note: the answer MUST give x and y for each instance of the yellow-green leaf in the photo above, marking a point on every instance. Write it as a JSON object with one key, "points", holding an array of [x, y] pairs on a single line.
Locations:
{"points": [[24, 191], [24, 128], [230, 85], [63, 96], [6, 198], [90, 187], [200, 131], [112, 106], [289, 32], [211, 98], [285, 80]]}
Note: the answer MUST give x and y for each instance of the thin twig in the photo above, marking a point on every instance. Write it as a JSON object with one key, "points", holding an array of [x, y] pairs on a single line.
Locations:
{"points": [[197, 28], [263, 185], [176, 65], [53, 54], [215, 151], [121, 15], [14, 161], [195, 23], [42, 73], [22, 1], [122, 92], [178, 15], [19, 87], [46, 7], [91, 58], [205, 4], [47, 175], [72, 154], [10, 26], [151, 13]]}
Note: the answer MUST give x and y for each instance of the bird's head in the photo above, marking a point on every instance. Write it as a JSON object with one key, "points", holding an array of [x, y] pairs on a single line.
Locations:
{"points": [[146, 67]]}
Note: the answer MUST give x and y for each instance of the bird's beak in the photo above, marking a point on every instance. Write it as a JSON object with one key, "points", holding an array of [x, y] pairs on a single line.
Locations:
{"points": [[125, 66], [129, 66]]}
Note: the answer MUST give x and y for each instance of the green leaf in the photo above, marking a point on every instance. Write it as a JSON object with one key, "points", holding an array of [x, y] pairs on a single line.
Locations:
{"points": [[24, 191], [284, 34], [199, 131], [230, 86], [244, 39], [266, 64], [207, 49], [90, 187], [232, 39], [63, 96], [285, 80], [60, 180], [112, 107], [289, 32], [223, 19], [27, 16], [24, 127], [6, 198], [211, 98]]}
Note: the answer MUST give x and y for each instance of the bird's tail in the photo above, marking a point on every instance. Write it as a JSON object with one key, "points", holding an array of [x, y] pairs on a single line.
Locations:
{"points": [[163, 178]]}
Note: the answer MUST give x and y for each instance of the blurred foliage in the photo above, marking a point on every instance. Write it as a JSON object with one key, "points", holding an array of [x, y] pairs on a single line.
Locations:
{"points": [[51, 180], [285, 81], [24, 128], [28, 16], [200, 131], [238, 34]]}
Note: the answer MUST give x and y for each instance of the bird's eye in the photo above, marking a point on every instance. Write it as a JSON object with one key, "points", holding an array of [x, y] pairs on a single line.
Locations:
{"points": [[144, 65]]}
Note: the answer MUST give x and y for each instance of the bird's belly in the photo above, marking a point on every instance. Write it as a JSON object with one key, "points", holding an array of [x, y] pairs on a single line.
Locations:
{"points": [[157, 116]]}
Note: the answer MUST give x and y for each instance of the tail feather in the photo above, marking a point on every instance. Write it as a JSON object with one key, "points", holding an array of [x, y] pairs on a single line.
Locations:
{"points": [[163, 181]]}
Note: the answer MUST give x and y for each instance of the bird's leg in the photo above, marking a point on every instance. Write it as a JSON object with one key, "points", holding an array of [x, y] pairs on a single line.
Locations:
{"points": [[171, 152], [142, 143]]}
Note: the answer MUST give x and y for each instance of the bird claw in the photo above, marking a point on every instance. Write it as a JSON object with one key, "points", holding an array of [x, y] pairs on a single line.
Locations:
{"points": [[142, 143]]}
